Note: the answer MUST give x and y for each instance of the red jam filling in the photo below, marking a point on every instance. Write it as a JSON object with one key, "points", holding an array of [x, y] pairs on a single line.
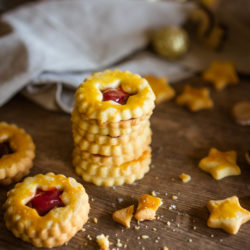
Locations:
{"points": [[117, 95], [44, 201], [5, 148]]}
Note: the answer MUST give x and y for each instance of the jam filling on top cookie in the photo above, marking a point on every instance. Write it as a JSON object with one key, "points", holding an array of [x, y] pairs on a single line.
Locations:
{"points": [[44, 201], [5, 148], [117, 95]]}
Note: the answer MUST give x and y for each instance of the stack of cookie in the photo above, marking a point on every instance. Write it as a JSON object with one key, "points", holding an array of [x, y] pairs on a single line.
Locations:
{"points": [[111, 128]]}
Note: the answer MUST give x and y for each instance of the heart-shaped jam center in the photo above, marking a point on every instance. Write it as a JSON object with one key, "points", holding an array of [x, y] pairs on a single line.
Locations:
{"points": [[117, 95], [5, 148], [44, 201]]}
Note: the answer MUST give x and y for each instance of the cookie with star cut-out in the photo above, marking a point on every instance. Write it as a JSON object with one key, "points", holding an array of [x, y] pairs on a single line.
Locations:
{"points": [[195, 98], [221, 74], [162, 90], [227, 214], [220, 164]]}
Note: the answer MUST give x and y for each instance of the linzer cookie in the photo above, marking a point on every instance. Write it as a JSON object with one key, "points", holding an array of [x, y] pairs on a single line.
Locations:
{"points": [[17, 152], [46, 210], [111, 128]]}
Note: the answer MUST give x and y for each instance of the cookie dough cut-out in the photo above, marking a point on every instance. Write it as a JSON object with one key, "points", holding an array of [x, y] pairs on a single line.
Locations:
{"points": [[220, 164], [195, 98], [163, 91], [221, 74], [227, 214]]}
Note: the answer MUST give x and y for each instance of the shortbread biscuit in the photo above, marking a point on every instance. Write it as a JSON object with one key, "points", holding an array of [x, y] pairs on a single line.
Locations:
{"points": [[195, 98], [227, 214], [79, 118], [116, 175], [116, 150], [83, 156], [220, 164], [84, 127], [221, 74], [58, 225], [90, 95], [17, 152], [106, 139]]}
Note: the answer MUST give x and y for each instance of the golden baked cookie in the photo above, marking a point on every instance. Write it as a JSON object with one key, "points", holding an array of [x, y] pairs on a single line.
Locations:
{"points": [[241, 113], [46, 210], [81, 156], [195, 98], [147, 207], [115, 150], [227, 214], [84, 127], [17, 152], [124, 216], [162, 90], [111, 175], [81, 119], [221, 74], [220, 164], [78, 136], [112, 96]]}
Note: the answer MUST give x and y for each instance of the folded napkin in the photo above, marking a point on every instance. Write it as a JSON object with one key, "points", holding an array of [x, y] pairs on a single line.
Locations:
{"points": [[55, 44]]}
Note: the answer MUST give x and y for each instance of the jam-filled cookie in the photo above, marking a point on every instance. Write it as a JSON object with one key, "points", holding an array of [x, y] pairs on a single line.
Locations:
{"points": [[111, 128], [112, 96], [46, 210], [17, 152]]}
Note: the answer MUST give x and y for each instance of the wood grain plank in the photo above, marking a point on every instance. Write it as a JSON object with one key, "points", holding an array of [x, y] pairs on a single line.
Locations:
{"points": [[180, 140]]}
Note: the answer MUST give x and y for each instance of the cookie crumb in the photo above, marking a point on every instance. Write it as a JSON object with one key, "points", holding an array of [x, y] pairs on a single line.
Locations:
{"points": [[144, 236], [118, 243], [166, 194], [120, 200], [165, 248], [153, 193], [174, 197], [212, 235], [136, 227], [190, 240], [168, 223], [95, 220], [102, 241], [194, 227], [185, 177], [83, 229], [89, 237], [154, 229]]}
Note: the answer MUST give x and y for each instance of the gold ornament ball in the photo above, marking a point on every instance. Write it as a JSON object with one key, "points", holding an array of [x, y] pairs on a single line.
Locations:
{"points": [[170, 42]]}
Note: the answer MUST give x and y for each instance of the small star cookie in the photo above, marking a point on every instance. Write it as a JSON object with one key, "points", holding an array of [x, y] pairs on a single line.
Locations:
{"points": [[163, 91], [221, 74], [227, 214], [195, 98], [220, 164]]}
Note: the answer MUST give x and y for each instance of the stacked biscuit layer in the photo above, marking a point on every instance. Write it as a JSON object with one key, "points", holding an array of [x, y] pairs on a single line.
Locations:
{"points": [[110, 150]]}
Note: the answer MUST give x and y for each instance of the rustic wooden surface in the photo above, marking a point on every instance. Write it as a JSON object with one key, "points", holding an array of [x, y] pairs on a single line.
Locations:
{"points": [[180, 140]]}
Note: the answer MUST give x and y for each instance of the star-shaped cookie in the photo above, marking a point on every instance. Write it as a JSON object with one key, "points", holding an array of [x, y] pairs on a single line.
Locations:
{"points": [[195, 98], [221, 74], [163, 91], [220, 164], [227, 214]]}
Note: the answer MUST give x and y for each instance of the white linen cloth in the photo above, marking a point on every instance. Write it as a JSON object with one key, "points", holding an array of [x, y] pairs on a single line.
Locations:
{"points": [[55, 44]]}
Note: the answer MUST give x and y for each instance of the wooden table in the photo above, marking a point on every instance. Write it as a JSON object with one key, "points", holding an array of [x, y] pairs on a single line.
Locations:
{"points": [[180, 140]]}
